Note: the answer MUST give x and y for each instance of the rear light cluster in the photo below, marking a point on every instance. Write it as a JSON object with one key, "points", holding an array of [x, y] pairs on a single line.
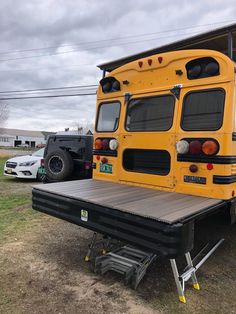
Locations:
{"points": [[42, 162], [202, 67], [106, 144], [207, 147], [87, 165], [110, 85]]}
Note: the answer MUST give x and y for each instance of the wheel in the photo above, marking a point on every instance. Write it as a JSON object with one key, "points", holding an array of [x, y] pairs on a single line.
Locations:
{"points": [[59, 165], [41, 177]]}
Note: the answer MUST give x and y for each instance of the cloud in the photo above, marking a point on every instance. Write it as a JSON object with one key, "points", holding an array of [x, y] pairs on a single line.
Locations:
{"points": [[29, 25]]}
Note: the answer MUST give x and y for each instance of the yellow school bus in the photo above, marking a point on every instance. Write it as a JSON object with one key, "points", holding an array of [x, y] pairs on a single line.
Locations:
{"points": [[167, 122], [164, 152]]}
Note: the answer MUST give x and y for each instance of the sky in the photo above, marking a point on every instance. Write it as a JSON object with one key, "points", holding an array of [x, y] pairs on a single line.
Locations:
{"points": [[59, 43]]}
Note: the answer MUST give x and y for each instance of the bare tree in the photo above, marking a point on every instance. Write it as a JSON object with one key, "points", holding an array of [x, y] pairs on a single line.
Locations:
{"points": [[84, 127], [4, 114]]}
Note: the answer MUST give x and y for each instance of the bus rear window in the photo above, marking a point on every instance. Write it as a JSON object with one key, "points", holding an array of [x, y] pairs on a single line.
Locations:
{"points": [[203, 110], [150, 114], [108, 117]]}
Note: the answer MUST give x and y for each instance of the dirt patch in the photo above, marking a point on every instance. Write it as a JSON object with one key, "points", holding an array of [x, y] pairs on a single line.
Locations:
{"points": [[58, 276], [43, 271]]}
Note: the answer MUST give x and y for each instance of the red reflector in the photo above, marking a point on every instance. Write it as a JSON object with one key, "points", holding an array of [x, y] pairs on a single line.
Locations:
{"points": [[104, 160], [140, 63], [209, 167], [195, 147], [98, 157], [160, 59], [149, 61]]}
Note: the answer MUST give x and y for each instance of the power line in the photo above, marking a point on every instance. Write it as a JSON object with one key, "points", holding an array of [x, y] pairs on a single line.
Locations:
{"points": [[92, 48], [50, 68], [49, 89], [109, 45], [118, 38], [48, 96]]}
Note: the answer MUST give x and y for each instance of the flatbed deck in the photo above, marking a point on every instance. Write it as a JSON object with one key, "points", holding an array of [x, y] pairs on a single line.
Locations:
{"points": [[160, 221], [168, 207]]}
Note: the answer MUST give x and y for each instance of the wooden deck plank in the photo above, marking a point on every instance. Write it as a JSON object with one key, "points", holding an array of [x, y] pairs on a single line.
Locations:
{"points": [[169, 207]]}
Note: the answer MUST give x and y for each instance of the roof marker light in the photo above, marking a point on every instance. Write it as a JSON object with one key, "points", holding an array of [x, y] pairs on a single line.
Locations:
{"points": [[140, 63], [160, 59], [149, 61]]}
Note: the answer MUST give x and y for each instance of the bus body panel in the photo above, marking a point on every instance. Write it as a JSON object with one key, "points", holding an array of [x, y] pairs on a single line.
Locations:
{"points": [[142, 80]]}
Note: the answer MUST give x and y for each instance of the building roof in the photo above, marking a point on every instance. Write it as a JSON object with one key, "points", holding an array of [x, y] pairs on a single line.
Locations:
{"points": [[17, 132], [213, 40]]}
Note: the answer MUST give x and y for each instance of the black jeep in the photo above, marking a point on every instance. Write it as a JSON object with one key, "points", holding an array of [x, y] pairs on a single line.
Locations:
{"points": [[67, 157]]}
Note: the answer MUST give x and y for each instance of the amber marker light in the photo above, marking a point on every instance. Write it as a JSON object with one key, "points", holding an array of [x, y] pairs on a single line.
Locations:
{"points": [[209, 148], [98, 144]]}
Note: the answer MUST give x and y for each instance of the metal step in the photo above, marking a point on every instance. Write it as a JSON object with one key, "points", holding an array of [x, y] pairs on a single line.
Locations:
{"points": [[132, 263]]}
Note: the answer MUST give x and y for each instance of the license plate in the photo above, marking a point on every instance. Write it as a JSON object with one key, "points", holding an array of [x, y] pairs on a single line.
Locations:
{"points": [[41, 170], [9, 170], [106, 168], [193, 179]]}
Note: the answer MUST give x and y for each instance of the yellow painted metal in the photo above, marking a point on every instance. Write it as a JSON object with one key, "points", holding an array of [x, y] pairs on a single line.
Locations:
{"points": [[196, 286], [182, 298], [87, 258], [157, 79]]}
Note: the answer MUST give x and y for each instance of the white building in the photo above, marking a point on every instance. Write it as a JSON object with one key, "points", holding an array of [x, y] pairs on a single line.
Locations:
{"points": [[15, 137]]}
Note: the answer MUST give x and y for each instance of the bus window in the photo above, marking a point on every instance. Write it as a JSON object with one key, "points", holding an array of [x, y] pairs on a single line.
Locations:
{"points": [[203, 110], [108, 117], [150, 114]]}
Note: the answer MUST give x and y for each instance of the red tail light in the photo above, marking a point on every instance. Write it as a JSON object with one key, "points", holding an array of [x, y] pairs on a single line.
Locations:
{"points": [[87, 165], [105, 144], [195, 147], [42, 162]]}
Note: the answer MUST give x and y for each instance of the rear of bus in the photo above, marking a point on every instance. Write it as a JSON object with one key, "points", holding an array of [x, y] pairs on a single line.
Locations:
{"points": [[167, 122]]}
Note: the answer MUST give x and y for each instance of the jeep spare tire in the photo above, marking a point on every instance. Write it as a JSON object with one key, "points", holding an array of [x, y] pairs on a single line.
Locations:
{"points": [[58, 165]]}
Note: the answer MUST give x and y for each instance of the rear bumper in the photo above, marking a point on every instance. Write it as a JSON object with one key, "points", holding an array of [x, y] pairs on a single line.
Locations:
{"points": [[169, 240]]}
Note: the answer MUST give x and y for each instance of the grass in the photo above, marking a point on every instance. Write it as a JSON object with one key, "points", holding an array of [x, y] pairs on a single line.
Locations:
{"points": [[30, 239], [15, 205]]}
